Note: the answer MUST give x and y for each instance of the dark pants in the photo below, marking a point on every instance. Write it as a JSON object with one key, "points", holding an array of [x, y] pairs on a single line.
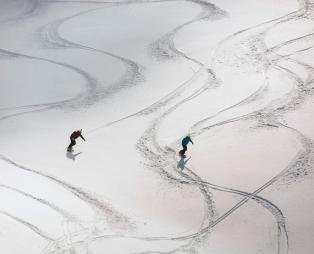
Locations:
{"points": [[182, 152], [72, 143]]}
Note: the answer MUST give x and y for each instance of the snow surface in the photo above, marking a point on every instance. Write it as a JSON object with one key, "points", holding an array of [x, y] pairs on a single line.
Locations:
{"points": [[137, 76]]}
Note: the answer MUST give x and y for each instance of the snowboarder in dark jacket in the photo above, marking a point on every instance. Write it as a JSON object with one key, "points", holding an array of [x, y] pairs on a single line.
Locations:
{"points": [[74, 136], [184, 143]]}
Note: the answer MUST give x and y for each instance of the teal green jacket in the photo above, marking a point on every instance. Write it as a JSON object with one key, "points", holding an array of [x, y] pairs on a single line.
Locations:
{"points": [[186, 140]]}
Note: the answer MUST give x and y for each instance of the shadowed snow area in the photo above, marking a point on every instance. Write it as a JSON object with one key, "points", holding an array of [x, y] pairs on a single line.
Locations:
{"points": [[137, 76]]}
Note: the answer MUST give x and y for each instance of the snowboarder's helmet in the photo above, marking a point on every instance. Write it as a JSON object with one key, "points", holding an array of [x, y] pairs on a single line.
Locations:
{"points": [[81, 130], [188, 135]]}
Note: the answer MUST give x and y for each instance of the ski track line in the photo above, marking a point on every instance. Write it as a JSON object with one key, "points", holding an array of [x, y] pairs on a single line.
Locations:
{"points": [[83, 97], [50, 34], [286, 43], [304, 91], [265, 203], [246, 116], [305, 161], [164, 47], [133, 71], [90, 96], [307, 66], [299, 95], [268, 205], [280, 220], [111, 215], [28, 225], [59, 210], [297, 52], [258, 92]]}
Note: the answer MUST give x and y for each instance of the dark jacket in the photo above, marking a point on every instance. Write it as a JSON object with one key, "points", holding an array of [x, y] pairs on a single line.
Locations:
{"points": [[76, 134], [186, 140]]}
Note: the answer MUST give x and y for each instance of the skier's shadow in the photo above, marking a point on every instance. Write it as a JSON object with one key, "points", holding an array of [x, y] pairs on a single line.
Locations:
{"points": [[182, 162], [71, 155]]}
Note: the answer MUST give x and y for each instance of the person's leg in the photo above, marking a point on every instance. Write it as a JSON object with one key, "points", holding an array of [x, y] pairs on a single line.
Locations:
{"points": [[184, 149], [72, 143]]}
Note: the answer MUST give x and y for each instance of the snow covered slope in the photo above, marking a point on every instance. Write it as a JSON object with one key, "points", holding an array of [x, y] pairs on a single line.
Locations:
{"points": [[137, 76]]}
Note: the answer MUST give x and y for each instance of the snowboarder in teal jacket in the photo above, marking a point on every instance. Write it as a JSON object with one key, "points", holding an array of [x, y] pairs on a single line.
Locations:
{"points": [[184, 143]]}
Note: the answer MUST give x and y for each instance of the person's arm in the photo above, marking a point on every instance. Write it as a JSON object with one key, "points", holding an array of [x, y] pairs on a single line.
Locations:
{"points": [[191, 141], [82, 137]]}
